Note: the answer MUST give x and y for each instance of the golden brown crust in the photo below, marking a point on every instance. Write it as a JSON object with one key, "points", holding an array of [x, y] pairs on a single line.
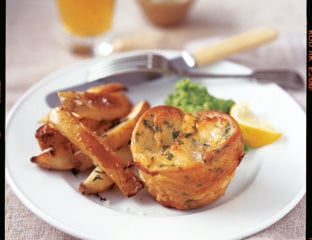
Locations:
{"points": [[92, 129], [120, 135], [58, 152], [96, 182], [102, 155], [109, 87], [105, 102], [186, 160], [47, 137]]}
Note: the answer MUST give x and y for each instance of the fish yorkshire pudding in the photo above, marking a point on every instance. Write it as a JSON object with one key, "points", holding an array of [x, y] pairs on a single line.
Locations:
{"points": [[186, 160]]}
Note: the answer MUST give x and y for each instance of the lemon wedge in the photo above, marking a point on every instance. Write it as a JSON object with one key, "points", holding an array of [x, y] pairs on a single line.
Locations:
{"points": [[257, 131]]}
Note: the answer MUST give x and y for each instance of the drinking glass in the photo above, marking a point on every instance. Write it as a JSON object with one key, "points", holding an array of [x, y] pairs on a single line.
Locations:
{"points": [[87, 23]]}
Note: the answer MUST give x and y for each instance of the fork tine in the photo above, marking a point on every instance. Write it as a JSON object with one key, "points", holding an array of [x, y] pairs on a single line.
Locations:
{"points": [[116, 69], [116, 65], [122, 64], [111, 72], [117, 61], [139, 63]]}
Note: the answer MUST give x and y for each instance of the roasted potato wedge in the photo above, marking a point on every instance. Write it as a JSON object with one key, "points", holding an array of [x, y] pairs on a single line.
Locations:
{"points": [[96, 104], [63, 155], [92, 128], [98, 181], [59, 153], [91, 145], [55, 159], [125, 154], [117, 139], [81, 161], [47, 136], [120, 135], [109, 87], [100, 127]]}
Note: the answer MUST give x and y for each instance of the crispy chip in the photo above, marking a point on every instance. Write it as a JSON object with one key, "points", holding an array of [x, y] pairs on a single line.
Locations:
{"points": [[91, 145]]}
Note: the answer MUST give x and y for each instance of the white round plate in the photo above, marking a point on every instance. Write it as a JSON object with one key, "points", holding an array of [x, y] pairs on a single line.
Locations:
{"points": [[268, 183]]}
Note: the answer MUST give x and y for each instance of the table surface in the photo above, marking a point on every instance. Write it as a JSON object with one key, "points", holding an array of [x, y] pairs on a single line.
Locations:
{"points": [[35, 47]]}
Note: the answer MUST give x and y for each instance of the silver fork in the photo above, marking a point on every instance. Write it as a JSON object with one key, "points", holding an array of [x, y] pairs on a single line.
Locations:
{"points": [[156, 65], [116, 65], [153, 63], [136, 69], [150, 65]]}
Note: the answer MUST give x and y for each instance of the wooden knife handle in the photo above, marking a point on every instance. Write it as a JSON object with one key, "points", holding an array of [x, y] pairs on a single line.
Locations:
{"points": [[234, 44]]}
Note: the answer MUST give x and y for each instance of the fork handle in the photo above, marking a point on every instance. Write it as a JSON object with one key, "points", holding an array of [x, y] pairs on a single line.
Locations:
{"points": [[234, 44]]}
